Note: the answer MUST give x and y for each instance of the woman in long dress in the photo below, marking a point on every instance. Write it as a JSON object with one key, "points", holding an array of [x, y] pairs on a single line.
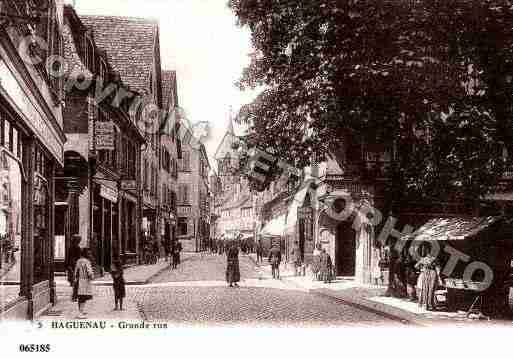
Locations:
{"points": [[428, 281], [83, 277], [232, 265]]}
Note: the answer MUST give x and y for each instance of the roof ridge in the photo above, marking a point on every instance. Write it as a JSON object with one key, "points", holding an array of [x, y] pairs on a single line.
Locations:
{"points": [[149, 19]]}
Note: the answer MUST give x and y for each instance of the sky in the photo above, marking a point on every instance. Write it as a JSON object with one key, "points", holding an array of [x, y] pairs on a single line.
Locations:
{"points": [[200, 40]]}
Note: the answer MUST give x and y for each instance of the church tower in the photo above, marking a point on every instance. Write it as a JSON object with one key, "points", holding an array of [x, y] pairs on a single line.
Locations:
{"points": [[227, 161]]}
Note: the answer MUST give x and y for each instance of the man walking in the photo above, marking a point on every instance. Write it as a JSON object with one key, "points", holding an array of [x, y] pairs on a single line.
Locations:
{"points": [[259, 252], [275, 260]]}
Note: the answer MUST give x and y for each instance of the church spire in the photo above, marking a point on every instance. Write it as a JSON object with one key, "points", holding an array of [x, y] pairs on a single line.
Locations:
{"points": [[230, 122]]}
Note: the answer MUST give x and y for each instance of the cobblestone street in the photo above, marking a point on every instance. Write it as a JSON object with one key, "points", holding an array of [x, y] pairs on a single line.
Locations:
{"points": [[204, 267], [255, 306], [197, 294], [188, 302]]}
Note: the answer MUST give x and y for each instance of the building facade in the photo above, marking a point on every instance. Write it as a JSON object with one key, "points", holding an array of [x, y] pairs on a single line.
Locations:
{"points": [[31, 151], [168, 175], [235, 205], [193, 193], [98, 186], [132, 46]]}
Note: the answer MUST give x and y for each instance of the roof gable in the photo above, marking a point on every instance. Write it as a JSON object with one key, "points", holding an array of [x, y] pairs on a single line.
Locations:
{"points": [[225, 146], [130, 45]]}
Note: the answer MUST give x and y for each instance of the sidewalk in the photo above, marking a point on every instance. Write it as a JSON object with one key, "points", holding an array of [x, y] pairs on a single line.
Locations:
{"points": [[137, 275], [372, 298], [101, 307]]}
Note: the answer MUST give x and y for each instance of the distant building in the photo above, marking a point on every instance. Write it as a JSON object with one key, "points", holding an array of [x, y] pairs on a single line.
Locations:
{"points": [[235, 204], [193, 192], [168, 175]]}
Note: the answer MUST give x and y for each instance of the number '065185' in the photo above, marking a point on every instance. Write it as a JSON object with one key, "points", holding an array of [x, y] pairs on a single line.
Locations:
{"points": [[34, 348]]}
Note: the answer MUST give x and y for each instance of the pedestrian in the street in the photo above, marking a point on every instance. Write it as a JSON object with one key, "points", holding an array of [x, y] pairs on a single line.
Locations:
{"points": [[167, 249], [324, 266], [259, 252], [73, 256], [83, 277], [179, 247], [175, 254], [297, 261], [275, 260], [232, 265], [118, 284], [316, 262], [156, 251]]}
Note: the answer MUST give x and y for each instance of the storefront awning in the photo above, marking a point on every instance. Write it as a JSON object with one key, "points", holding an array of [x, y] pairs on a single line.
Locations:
{"points": [[297, 202], [451, 229], [275, 227]]}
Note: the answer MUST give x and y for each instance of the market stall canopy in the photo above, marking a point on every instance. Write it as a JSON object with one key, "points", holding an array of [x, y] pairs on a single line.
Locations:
{"points": [[274, 227], [451, 229]]}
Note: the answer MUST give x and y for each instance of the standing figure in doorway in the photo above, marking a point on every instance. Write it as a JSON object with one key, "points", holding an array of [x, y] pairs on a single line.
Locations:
{"points": [[232, 265]]}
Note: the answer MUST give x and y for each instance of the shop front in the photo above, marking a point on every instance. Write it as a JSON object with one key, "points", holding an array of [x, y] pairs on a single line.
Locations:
{"points": [[128, 225], [470, 261], [31, 148], [149, 231], [167, 228], [105, 225]]}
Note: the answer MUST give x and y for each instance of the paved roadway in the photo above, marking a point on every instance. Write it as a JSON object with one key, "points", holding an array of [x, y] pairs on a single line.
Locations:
{"points": [[196, 294]]}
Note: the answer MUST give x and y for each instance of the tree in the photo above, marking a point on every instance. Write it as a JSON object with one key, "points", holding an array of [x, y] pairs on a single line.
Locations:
{"points": [[384, 71]]}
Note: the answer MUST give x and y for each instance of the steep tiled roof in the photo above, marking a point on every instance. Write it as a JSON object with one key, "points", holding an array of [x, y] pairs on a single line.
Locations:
{"points": [[129, 44], [168, 87], [75, 64]]}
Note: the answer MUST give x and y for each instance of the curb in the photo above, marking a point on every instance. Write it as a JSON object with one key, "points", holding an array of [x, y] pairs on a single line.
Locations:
{"points": [[381, 310], [140, 282]]}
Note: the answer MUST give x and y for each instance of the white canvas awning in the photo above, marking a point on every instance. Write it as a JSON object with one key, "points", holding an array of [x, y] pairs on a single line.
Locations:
{"points": [[275, 227], [297, 202]]}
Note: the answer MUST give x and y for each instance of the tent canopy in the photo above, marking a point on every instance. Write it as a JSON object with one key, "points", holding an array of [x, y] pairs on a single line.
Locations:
{"points": [[274, 227], [451, 229]]}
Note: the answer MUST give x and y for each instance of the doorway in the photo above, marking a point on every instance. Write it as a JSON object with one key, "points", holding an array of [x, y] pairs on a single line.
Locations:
{"points": [[345, 250]]}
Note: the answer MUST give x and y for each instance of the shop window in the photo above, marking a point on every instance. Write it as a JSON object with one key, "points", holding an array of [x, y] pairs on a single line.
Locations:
{"points": [[182, 226], [131, 244], [41, 218], [10, 228]]}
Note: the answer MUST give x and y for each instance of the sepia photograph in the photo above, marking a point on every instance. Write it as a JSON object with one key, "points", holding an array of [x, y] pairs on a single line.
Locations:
{"points": [[321, 170]]}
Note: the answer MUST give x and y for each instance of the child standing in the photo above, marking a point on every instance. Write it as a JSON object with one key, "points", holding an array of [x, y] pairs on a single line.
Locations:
{"points": [[118, 283]]}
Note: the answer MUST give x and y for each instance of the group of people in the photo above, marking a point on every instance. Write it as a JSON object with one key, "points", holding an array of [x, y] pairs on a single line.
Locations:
{"points": [[80, 276], [80, 273], [232, 261], [322, 265], [415, 279], [7, 250], [220, 245], [172, 251]]}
